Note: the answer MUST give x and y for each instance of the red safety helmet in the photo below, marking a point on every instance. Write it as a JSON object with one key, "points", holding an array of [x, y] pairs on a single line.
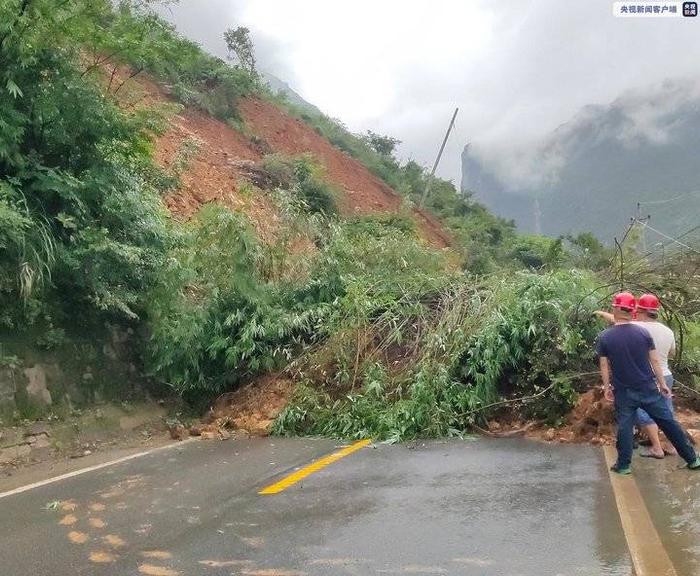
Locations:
{"points": [[624, 300], [648, 302]]}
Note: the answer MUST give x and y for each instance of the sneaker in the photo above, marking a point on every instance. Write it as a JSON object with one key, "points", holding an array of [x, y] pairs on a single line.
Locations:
{"points": [[694, 465], [626, 471]]}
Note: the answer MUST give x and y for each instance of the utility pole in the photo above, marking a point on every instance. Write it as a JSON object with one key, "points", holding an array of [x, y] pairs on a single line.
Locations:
{"points": [[641, 221], [538, 216], [426, 192]]}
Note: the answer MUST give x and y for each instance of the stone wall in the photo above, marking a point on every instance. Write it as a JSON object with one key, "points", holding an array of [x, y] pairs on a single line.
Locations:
{"points": [[82, 369]]}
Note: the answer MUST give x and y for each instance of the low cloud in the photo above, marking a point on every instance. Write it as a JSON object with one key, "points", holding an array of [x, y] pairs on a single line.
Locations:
{"points": [[516, 69], [639, 117]]}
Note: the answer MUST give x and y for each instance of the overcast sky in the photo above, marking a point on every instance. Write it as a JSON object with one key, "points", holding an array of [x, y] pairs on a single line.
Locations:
{"points": [[516, 68]]}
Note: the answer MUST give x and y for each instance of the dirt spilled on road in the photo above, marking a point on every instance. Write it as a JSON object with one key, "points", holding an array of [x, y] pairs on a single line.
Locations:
{"points": [[592, 420], [253, 407]]}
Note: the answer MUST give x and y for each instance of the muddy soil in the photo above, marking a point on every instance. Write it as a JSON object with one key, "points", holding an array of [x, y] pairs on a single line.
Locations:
{"points": [[207, 156], [253, 407], [591, 421]]}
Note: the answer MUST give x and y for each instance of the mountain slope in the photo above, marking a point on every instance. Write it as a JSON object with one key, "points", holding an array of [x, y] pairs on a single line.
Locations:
{"points": [[220, 154], [591, 172], [279, 86]]}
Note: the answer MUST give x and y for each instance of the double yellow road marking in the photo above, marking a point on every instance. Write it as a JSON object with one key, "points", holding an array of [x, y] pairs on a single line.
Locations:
{"points": [[315, 466]]}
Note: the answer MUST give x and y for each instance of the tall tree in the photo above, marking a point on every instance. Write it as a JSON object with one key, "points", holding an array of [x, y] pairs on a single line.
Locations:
{"points": [[384, 145], [240, 45]]}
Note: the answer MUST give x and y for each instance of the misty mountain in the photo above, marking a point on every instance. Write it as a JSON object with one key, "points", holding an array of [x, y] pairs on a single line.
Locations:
{"points": [[590, 173]]}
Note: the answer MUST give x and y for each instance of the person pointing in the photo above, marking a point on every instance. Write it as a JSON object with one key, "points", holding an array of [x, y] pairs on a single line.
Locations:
{"points": [[633, 378]]}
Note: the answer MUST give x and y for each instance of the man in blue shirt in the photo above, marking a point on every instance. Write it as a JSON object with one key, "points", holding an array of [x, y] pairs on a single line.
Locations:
{"points": [[628, 358]]}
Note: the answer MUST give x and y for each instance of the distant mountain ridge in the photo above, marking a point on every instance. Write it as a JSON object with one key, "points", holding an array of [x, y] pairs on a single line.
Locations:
{"points": [[590, 173], [279, 86]]}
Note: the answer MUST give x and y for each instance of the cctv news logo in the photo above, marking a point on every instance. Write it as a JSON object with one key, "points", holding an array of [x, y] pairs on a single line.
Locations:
{"points": [[655, 9]]}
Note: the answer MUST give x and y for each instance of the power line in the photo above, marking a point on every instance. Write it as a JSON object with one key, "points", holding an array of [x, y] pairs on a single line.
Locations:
{"points": [[654, 202], [693, 229], [656, 247], [671, 238]]}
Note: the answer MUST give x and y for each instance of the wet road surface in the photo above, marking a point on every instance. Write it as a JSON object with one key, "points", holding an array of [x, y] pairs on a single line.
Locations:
{"points": [[483, 507], [672, 495]]}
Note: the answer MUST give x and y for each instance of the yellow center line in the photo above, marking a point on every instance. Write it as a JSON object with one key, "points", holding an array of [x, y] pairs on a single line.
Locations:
{"points": [[649, 557], [315, 466]]}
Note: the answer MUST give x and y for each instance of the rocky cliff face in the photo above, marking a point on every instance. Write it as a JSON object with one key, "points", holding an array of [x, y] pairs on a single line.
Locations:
{"points": [[591, 172]]}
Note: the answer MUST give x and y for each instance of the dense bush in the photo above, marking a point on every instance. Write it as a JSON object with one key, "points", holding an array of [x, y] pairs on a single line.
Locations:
{"points": [[213, 321], [217, 318], [82, 225], [304, 178], [431, 360]]}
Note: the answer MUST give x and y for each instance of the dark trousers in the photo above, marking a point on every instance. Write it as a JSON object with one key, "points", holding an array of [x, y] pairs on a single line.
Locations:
{"points": [[627, 400]]}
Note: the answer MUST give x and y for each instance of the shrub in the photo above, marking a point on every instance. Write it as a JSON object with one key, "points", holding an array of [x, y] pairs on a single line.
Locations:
{"points": [[214, 322], [430, 362], [304, 178], [76, 201]]}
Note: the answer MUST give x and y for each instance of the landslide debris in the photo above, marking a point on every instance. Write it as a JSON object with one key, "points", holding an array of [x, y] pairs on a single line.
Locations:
{"points": [[592, 420], [220, 160]]}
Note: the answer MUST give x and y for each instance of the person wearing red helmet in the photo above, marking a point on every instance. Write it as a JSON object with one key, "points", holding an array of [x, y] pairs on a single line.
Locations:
{"points": [[632, 379], [648, 318], [647, 313]]}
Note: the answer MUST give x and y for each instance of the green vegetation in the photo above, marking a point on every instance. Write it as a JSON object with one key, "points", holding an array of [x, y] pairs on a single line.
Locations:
{"points": [[432, 359], [305, 178], [82, 225], [132, 35], [388, 336]]}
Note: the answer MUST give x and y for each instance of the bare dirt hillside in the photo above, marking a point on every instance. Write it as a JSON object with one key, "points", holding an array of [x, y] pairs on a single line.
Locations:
{"points": [[214, 157], [365, 193]]}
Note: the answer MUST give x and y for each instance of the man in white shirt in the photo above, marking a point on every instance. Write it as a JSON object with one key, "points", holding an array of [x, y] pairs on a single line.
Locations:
{"points": [[665, 342]]}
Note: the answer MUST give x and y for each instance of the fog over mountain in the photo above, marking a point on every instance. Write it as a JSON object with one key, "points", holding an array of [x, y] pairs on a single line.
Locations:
{"points": [[590, 173], [515, 68]]}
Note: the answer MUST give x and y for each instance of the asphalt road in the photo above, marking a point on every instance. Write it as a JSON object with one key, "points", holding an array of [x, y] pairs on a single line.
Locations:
{"points": [[672, 495], [482, 507]]}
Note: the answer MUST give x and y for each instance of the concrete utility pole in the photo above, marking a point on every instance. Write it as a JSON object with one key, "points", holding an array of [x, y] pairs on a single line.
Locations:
{"points": [[426, 192], [538, 216], [641, 221]]}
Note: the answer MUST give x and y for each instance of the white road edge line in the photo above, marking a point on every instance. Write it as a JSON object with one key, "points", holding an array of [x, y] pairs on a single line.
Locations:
{"points": [[82, 471]]}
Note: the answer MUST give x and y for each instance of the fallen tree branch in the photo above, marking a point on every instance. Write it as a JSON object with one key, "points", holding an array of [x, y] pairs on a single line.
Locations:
{"points": [[686, 387], [527, 398]]}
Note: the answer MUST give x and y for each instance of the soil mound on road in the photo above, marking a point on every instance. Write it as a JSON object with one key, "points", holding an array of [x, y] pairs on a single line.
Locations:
{"points": [[255, 406], [592, 420]]}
